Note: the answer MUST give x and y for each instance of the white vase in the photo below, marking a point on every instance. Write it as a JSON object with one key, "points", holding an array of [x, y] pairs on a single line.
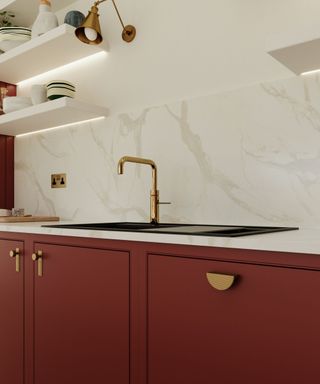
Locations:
{"points": [[45, 21], [38, 94]]}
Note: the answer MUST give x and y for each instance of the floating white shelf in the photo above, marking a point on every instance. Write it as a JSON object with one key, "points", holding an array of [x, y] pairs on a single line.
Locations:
{"points": [[51, 50], [50, 114], [298, 53], [25, 14]]}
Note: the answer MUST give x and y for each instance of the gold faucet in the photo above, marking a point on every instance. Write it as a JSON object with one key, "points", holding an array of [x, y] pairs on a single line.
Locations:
{"points": [[154, 193]]}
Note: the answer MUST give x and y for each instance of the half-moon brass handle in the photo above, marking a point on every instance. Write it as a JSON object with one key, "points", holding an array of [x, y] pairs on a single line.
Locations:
{"points": [[37, 256], [220, 281], [15, 253]]}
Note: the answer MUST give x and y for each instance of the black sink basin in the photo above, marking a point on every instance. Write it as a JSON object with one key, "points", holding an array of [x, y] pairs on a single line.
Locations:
{"points": [[180, 229], [122, 226], [218, 230]]}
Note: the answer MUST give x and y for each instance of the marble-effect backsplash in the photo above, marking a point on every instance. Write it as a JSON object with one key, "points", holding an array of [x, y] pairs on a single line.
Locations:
{"points": [[250, 156]]}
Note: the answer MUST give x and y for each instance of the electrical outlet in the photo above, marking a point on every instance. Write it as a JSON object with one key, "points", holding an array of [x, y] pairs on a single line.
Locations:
{"points": [[59, 180]]}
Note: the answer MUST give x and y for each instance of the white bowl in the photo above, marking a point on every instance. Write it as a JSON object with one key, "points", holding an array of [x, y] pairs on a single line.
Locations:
{"points": [[13, 108], [12, 29], [9, 100], [9, 37], [6, 45], [67, 84], [60, 88], [56, 93], [14, 103], [5, 212]]}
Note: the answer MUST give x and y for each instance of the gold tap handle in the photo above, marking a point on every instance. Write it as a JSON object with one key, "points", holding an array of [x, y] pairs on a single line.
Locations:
{"points": [[37, 256], [15, 253], [220, 281]]}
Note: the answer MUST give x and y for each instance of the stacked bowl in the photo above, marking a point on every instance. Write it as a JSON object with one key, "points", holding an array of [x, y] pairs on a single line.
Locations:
{"points": [[5, 212], [11, 37], [60, 88], [14, 103]]}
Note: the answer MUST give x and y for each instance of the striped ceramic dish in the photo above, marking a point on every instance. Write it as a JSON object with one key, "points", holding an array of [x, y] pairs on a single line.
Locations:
{"points": [[9, 32], [60, 88]]}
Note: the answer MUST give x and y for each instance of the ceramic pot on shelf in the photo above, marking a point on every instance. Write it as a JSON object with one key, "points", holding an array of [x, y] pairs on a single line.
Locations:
{"points": [[74, 18], [45, 21], [3, 93], [38, 94]]}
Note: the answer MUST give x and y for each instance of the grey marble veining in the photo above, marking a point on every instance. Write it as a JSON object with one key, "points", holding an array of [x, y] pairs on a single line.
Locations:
{"points": [[250, 156]]}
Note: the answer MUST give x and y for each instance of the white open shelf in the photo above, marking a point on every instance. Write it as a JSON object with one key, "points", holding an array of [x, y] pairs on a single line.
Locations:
{"points": [[51, 50], [299, 52], [50, 114], [26, 11]]}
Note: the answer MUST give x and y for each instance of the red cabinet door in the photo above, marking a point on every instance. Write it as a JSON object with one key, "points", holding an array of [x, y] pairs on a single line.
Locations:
{"points": [[81, 316], [11, 314], [264, 329], [6, 171]]}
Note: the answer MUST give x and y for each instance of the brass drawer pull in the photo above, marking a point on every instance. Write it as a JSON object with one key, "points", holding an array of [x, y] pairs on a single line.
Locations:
{"points": [[220, 281], [15, 253], [37, 256]]}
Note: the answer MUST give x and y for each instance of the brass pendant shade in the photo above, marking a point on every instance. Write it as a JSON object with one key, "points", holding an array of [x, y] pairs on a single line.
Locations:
{"points": [[92, 22]]}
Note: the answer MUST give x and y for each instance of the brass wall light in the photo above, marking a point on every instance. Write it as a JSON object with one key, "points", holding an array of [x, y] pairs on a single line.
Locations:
{"points": [[89, 31]]}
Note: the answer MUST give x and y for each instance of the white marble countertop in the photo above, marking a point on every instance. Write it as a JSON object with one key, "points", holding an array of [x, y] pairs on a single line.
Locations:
{"points": [[304, 240]]}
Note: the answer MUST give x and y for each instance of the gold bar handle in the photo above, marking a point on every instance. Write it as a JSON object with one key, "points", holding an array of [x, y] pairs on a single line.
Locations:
{"points": [[15, 253], [220, 281], [37, 256]]}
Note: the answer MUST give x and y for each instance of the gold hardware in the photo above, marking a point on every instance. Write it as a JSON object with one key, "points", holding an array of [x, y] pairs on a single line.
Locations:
{"points": [[220, 281], [59, 180], [37, 256], [154, 193], [15, 253], [92, 22]]}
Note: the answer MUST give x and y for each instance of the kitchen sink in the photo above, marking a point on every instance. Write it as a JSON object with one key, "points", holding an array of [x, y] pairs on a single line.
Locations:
{"points": [[217, 230], [122, 226], [179, 229]]}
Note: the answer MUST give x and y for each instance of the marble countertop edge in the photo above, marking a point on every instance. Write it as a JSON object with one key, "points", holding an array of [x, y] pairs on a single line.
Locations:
{"points": [[305, 240]]}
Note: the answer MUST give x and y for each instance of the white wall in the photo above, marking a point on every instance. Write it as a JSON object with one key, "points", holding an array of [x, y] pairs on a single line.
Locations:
{"points": [[246, 153], [184, 49], [249, 156]]}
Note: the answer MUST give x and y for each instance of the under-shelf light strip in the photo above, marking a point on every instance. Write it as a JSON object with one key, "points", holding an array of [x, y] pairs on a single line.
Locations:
{"points": [[56, 71], [310, 72], [61, 126]]}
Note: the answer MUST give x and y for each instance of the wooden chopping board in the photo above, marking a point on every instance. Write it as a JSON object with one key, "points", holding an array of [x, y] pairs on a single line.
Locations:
{"points": [[22, 219]]}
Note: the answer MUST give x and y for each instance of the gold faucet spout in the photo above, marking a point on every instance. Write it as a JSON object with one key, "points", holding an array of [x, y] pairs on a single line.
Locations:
{"points": [[154, 194]]}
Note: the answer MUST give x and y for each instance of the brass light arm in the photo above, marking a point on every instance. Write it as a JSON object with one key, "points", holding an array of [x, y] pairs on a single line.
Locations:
{"points": [[114, 4]]}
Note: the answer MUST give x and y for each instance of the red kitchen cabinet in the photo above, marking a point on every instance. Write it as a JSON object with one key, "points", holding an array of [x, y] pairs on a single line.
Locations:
{"points": [[264, 329], [79, 319], [11, 312], [6, 155], [120, 312], [6, 171]]}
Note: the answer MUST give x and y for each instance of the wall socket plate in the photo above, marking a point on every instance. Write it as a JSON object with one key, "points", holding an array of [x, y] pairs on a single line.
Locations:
{"points": [[59, 180]]}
